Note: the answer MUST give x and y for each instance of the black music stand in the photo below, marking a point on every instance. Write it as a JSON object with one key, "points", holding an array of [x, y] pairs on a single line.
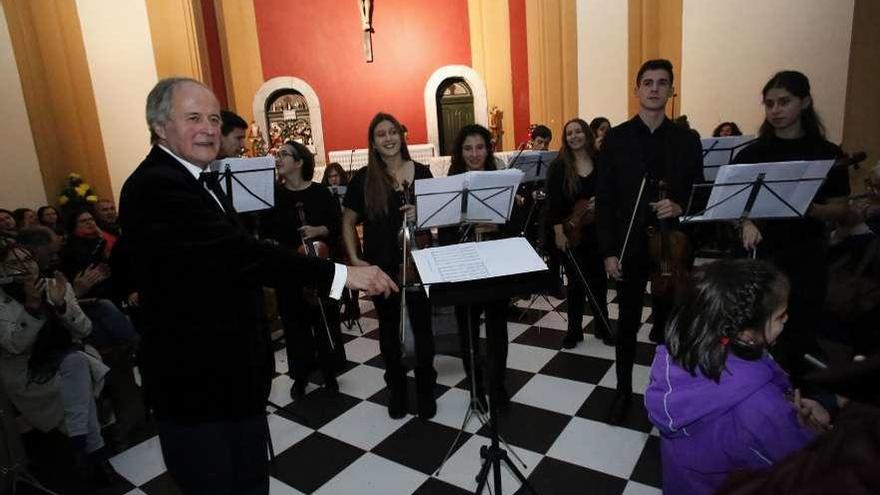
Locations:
{"points": [[761, 190], [534, 164], [249, 183], [720, 151], [467, 293]]}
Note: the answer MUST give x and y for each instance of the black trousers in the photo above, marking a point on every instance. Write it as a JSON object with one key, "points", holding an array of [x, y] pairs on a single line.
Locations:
{"points": [[496, 332], [228, 457], [308, 345], [630, 298], [419, 311], [593, 268]]}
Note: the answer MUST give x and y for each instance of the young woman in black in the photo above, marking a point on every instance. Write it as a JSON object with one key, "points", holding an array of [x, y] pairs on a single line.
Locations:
{"points": [[570, 179], [308, 339], [374, 197], [793, 131], [472, 151]]}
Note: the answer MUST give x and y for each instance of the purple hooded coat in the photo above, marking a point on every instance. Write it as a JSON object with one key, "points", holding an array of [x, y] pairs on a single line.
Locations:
{"points": [[708, 429]]}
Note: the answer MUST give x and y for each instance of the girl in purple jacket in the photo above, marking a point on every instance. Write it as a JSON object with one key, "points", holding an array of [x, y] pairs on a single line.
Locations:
{"points": [[718, 399]]}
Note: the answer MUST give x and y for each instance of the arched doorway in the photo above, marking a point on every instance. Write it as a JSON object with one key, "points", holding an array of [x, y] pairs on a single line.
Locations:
{"points": [[455, 109], [433, 88]]}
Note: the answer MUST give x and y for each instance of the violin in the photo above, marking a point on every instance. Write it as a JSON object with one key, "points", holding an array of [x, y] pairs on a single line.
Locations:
{"points": [[314, 247], [670, 251], [583, 213]]}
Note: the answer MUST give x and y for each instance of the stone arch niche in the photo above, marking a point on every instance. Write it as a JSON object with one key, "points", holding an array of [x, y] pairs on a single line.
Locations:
{"points": [[437, 79], [277, 85]]}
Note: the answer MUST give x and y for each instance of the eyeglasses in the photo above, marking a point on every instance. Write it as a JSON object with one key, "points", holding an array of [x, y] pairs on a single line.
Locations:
{"points": [[287, 154]]}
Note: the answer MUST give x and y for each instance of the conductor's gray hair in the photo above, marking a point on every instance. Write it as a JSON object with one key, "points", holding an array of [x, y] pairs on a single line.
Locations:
{"points": [[159, 102]]}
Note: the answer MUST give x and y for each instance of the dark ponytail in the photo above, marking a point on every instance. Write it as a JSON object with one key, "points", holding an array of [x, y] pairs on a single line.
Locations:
{"points": [[725, 298]]}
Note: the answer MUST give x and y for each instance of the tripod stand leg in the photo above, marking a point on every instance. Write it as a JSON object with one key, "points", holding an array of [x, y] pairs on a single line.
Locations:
{"points": [[483, 476], [29, 480], [519, 475]]}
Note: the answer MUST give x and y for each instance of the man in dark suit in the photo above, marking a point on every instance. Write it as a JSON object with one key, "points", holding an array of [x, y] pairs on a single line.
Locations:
{"points": [[207, 358], [648, 146]]}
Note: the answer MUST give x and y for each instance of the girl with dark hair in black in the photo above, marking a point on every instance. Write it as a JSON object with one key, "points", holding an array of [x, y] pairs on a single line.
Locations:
{"points": [[572, 178], [308, 339], [472, 151], [599, 126], [374, 197], [725, 129], [793, 131]]}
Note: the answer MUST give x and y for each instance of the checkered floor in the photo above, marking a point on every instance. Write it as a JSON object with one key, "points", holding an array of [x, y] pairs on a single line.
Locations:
{"points": [[555, 424]]}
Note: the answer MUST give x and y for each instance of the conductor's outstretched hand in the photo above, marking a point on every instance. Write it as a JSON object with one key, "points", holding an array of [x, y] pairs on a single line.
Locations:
{"points": [[371, 280]]}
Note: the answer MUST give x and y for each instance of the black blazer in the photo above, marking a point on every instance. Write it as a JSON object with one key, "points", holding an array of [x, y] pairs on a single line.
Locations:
{"points": [[206, 347]]}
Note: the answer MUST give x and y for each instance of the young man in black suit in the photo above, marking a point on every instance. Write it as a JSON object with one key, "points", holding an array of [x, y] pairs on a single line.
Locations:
{"points": [[207, 358], [648, 145]]}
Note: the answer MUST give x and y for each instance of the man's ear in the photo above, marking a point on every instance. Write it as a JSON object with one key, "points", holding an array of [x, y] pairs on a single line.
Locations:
{"points": [[159, 129]]}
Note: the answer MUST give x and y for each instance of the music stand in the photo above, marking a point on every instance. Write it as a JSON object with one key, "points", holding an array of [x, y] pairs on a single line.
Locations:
{"points": [[471, 197], [489, 274], [534, 164], [761, 190], [720, 151], [248, 182]]}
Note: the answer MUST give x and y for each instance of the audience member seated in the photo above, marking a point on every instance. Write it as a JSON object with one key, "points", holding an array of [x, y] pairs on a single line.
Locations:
{"points": [[725, 129], [7, 224], [85, 259], [25, 218], [717, 397], [45, 370], [106, 216], [48, 216]]}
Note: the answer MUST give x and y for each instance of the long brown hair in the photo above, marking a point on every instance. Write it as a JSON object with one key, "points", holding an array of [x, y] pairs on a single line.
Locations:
{"points": [[378, 181], [570, 183]]}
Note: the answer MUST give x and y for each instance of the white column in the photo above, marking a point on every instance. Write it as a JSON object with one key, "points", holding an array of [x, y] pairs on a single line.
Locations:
{"points": [[119, 50], [22, 184], [602, 34]]}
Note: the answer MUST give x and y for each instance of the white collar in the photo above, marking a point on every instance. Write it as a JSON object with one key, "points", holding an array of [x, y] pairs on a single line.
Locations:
{"points": [[195, 170]]}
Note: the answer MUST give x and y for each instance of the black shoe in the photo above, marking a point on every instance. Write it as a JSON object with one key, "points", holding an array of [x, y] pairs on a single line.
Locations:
{"points": [[397, 401], [331, 385], [656, 335], [604, 336], [298, 390], [619, 408], [571, 339], [427, 406], [502, 398]]}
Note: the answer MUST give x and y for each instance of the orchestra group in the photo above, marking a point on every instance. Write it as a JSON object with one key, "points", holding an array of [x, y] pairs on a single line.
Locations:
{"points": [[608, 216]]}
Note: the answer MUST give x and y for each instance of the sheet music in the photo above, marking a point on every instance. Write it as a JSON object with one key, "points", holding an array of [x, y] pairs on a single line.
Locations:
{"points": [[718, 151], [491, 194], [258, 177], [732, 178], [477, 260], [439, 199]]}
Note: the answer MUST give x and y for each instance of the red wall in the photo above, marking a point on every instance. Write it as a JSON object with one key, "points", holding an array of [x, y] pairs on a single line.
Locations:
{"points": [[319, 41], [215, 57], [519, 68]]}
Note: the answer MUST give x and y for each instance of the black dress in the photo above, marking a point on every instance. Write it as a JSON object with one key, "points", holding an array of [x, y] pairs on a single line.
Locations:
{"points": [[381, 249], [308, 342], [559, 207], [799, 247]]}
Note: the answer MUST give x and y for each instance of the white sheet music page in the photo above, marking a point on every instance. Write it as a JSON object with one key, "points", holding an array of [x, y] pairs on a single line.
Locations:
{"points": [[477, 260]]}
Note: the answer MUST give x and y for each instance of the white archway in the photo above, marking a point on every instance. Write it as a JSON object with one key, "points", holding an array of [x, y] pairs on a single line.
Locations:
{"points": [[470, 76], [294, 83]]}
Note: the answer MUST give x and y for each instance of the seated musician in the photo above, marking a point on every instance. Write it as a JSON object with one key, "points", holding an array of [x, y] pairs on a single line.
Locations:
{"points": [[307, 331], [374, 198], [472, 151], [571, 200]]}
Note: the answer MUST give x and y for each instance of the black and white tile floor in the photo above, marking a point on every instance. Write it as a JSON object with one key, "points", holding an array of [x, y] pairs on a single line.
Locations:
{"points": [[555, 423]]}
